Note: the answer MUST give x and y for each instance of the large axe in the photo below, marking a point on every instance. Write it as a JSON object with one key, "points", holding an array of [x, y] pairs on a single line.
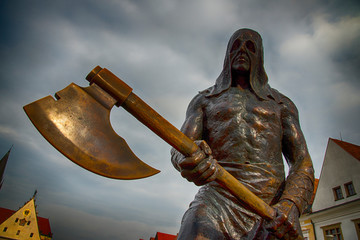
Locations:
{"points": [[78, 125]]}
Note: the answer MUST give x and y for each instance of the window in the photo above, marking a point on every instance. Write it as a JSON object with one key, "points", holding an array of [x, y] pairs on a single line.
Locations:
{"points": [[338, 193], [333, 232], [5, 228], [31, 234], [18, 232], [28, 223], [349, 189], [16, 220]]}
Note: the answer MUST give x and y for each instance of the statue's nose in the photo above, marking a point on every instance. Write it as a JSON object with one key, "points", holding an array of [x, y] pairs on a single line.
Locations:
{"points": [[243, 47], [241, 50]]}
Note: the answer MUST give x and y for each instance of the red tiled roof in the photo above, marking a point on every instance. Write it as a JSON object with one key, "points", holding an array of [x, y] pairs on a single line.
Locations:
{"points": [[5, 214], [164, 236], [44, 226], [352, 149], [316, 183], [43, 223]]}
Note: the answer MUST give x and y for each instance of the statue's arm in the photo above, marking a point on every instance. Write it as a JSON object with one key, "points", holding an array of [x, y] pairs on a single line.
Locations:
{"points": [[299, 184], [199, 168], [192, 127]]}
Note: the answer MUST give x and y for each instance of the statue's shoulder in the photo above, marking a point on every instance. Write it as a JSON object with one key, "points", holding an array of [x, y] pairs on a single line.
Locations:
{"points": [[203, 95], [199, 100], [286, 103], [207, 91], [279, 97]]}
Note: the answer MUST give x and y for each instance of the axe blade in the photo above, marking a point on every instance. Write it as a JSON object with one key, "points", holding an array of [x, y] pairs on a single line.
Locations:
{"points": [[78, 125]]}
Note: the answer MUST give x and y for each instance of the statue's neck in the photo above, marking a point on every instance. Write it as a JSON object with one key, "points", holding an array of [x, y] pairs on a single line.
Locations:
{"points": [[240, 80]]}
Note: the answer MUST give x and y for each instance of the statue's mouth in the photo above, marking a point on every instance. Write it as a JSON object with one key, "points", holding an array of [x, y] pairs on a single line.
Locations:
{"points": [[241, 58]]}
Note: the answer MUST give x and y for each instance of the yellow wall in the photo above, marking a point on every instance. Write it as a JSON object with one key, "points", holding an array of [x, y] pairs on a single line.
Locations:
{"points": [[22, 224], [307, 229]]}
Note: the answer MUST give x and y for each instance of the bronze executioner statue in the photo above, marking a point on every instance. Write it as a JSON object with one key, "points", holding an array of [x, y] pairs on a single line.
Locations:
{"points": [[245, 126]]}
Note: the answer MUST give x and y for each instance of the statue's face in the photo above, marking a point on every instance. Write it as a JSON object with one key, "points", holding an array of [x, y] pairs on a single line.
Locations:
{"points": [[240, 54], [244, 61]]}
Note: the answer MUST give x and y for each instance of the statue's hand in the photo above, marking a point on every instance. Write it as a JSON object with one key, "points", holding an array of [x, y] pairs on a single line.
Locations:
{"points": [[286, 224], [201, 167]]}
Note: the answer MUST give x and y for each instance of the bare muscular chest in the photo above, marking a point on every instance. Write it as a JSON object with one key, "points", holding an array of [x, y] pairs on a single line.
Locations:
{"points": [[237, 121]]}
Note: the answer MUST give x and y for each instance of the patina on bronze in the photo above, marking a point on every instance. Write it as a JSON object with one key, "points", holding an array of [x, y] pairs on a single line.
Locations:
{"points": [[78, 125], [244, 125]]}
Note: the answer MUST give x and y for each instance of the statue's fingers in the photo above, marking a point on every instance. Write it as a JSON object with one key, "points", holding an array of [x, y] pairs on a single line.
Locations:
{"points": [[204, 165], [213, 174], [195, 174], [190, 175], [275, 225], [193, 161], [282, 230], [282, 227], [205, 147], [293, 232], [208, 175]]}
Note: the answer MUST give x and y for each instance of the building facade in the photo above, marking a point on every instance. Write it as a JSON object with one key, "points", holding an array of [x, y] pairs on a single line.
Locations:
{"points": [[24, 224], [335, 212]]}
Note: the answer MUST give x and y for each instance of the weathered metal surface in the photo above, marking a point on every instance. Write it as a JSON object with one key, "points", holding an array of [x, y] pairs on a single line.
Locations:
{"points": [[247, 127], [78, 125]]}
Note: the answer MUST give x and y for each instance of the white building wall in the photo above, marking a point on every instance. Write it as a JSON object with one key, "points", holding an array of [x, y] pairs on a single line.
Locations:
{"points": [[339, 167], [347, 227], [343, 215]]}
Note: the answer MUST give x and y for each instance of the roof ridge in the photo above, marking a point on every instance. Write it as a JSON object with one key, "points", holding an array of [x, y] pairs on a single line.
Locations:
{"points": [[352, 149]]}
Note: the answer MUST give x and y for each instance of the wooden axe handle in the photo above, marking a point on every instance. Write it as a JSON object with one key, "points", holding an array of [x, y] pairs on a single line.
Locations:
{"points": [[165, 130]]}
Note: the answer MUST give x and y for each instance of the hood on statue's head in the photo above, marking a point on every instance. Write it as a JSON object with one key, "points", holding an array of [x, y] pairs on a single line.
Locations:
{"points": [[258, 77]]}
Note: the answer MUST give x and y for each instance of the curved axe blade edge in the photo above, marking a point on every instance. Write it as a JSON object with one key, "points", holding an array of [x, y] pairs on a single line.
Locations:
{"points": [[78, 125]]}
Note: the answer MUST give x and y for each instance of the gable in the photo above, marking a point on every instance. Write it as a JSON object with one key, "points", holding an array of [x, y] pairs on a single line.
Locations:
{"points": [[43, 223], [22, 224], [340, 167]]}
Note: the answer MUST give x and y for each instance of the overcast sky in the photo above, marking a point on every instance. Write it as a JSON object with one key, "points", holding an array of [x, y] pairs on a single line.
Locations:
{"points": [[166, 51]]}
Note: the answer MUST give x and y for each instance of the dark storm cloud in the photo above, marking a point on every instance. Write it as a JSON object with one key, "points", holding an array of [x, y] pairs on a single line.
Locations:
{"points": [[337, 9], [346, 58]]}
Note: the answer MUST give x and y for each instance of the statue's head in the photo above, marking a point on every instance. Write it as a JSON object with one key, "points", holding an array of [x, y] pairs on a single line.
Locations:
{"points": [[244, 53], [244, 48]]}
